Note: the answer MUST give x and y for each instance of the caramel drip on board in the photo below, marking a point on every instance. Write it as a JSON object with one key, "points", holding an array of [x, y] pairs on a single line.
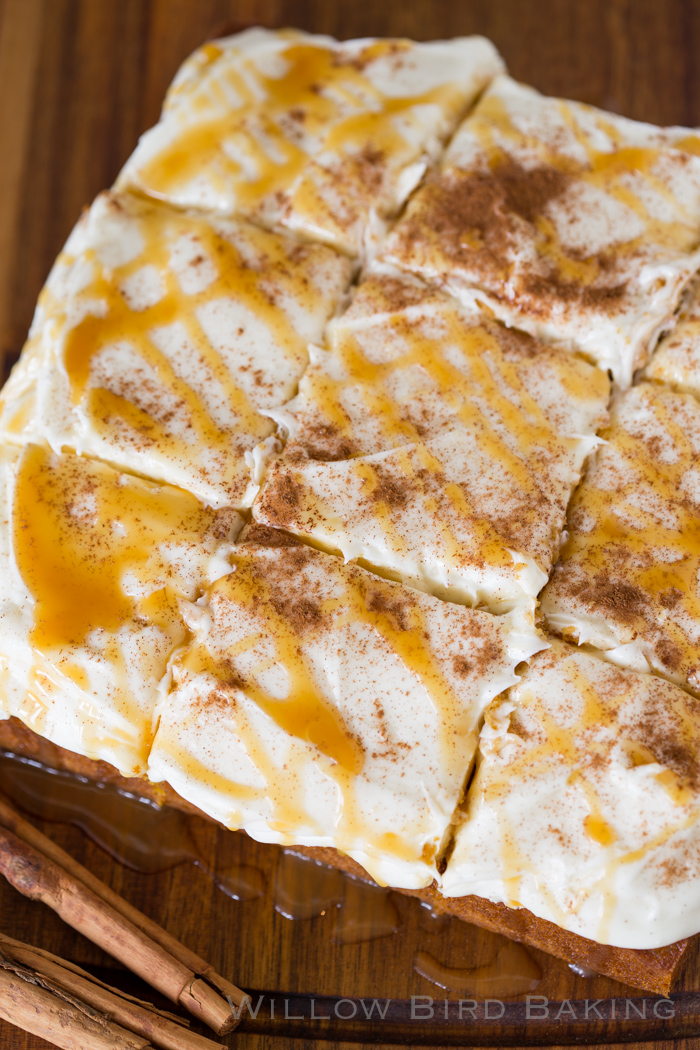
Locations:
{"points": [[511, 972], [150, 838], [133, 830], [306, 889]]}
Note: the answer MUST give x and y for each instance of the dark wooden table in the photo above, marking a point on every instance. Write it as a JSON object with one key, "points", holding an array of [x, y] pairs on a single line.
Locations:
{"points": [[81, 79]]}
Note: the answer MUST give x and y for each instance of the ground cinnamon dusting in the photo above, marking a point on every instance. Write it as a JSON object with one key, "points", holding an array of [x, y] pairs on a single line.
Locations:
{"points": [[388, 489], [281, 498]]}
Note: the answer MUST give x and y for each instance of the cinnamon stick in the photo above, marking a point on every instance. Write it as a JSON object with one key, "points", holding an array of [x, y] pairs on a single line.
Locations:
{"points": [[12, 820], [39, 878], [62, 1020], [162, 1030], [10, 943]]}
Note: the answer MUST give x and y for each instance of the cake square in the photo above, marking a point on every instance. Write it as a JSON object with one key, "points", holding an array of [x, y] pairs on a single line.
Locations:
{"points": [[584, 807], [627, 579], [435, 446], [579, 226], [320, 705], [676, 360], [160, 340], [93, 564], [305, 132]]}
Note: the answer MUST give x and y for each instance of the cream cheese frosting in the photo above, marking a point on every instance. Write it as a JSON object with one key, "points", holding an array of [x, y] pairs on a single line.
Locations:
{"points": [[320, 705], [93, 563], [585, 807], [435, 445], [627, 580], [576, 225], [160, 340], [300, 131]]}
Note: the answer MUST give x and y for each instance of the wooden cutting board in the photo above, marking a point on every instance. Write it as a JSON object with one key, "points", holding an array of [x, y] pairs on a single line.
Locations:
{"points": [[79, 81]]}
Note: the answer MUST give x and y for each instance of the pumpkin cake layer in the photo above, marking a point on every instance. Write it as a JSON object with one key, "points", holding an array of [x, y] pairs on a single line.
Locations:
{"points": [[93, 564], [325, 138], [585, 805], [576, 225], [627, 579], [436, 445], [320, 705], [160, 340]]}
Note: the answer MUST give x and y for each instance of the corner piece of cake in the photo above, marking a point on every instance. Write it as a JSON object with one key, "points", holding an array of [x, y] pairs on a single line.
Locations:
{"points": [[319, 705], [579, 226], [161, 338], [627, 579], [585, 804], [308, 133], [436, 446], [93, 565]]}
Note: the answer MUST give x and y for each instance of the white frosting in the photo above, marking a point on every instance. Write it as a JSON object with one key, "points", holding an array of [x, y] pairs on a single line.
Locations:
{"points": [[161, 339], [435, 446], [584, 808], [145, 547], [388, 687], [588, 226], [306, 132]]}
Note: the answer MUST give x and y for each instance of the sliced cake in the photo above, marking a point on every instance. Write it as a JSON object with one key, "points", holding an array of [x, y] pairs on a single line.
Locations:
{"points": [[160, 340], [676, 361], [305, 132], [435, 445], [93, 564], [585, 805], [322, 706], [579, 226], [627, 579]]}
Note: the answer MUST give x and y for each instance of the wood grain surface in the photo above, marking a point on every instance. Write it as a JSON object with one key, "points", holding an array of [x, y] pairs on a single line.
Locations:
{"points": [[79, 81]]}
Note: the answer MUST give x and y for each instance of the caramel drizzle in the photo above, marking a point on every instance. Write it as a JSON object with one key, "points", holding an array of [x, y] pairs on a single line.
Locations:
{"points": [[644, 517], [251, 152]]}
